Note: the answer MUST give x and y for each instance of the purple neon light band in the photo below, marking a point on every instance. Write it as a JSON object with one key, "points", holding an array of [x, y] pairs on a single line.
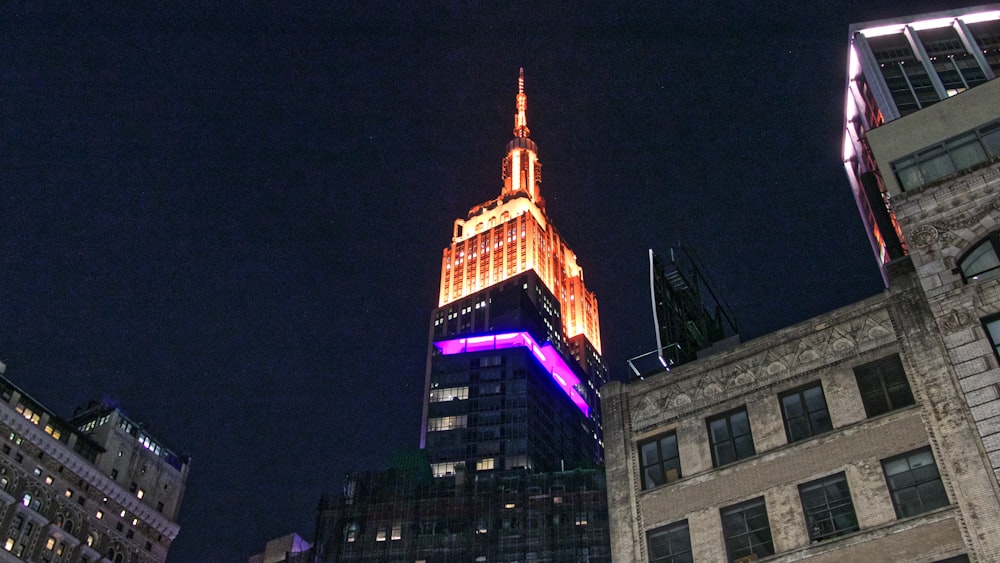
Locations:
{"points": [[545, 354]]}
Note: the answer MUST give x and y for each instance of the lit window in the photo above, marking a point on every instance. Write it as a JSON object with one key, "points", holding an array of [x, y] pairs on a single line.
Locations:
{"points": [[883, 386], [747, 531], [397, 531], [446, 423], [914, 483], [9, 544], [351, 531], [981, 262], [48, 480], [443, 469], [805, 413], [26, 499], [669, 544], [730, 437], [485, 464], [50, 544], [380, 535], [660, 461], [828, 507], [140, 493], [69, 493], [100, 514], [449, 394]]}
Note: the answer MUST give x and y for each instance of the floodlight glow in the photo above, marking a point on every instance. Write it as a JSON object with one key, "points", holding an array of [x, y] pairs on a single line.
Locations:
{"points": [[545, 354]]}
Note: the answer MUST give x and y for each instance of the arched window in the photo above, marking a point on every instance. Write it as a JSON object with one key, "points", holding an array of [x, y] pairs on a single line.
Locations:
{"points": [[982, 262], [68, 526]]}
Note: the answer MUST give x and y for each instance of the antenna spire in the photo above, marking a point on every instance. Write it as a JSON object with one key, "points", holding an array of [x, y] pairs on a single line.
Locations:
{"points": [[521, 119]]}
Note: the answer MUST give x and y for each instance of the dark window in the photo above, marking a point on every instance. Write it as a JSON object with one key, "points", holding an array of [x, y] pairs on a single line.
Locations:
{"points": [[828, 507], [914, 483], [981, 262], [992, 326], [949, 157], [805, 412], [746, 530], [670, 544], [883, 386], [660, 461], [730, 437]]}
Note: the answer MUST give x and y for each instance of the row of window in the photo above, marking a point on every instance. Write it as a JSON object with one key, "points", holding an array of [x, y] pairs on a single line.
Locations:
{"points": [[914, 486], [883, 388], [951, 156]]}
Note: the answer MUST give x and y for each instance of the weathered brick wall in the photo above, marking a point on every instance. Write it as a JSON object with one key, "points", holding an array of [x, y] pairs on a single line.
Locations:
{"points": [[824, 349], [941, 223]]}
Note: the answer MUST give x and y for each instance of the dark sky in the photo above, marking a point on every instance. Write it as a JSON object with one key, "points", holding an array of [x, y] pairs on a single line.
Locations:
{"points": [[231, 219]]}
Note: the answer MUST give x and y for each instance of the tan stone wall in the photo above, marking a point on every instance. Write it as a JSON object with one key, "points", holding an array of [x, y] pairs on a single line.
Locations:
{"points": [[823, 349]]}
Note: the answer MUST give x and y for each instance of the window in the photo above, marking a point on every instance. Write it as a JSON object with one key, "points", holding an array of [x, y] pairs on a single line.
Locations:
{"points": [[943, 159], [981, 262], [449, 394], [883, 386], [828, 507], [485, 464], [746, 530], [805, 412], [914, 483], [443, 469], [730, 438], [669, 544], [351, 531], [659, 460], [446, 423], [992, 326]]}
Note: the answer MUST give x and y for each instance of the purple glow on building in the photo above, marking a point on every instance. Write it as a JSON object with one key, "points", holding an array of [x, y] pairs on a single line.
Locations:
{"points": [[545, 354]]}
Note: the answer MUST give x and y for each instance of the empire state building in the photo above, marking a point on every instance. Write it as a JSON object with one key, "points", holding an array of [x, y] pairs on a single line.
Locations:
{"points": [[514, 359]]}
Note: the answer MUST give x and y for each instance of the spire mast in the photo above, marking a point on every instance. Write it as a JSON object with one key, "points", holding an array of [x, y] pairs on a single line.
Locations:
{"points": [[521, 119]]}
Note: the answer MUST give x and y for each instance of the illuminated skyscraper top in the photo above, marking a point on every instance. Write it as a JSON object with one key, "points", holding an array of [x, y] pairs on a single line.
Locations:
{"points": [[511, 234]]}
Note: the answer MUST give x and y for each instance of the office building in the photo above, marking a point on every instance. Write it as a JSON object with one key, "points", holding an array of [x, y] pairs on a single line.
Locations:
{"points": [[870, 432], [95, 487], [898, 67], [511, 436]]}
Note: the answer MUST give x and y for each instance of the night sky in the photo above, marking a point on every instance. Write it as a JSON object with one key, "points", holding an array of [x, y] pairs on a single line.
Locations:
{"points": [[230, 220]]}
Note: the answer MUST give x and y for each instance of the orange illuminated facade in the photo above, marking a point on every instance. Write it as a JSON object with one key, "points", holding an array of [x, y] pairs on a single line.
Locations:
{"points": [[511, 234]]}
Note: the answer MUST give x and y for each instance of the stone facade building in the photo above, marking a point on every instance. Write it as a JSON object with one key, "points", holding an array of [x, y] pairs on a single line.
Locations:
{"points": [[94, 488], [871, 432]]}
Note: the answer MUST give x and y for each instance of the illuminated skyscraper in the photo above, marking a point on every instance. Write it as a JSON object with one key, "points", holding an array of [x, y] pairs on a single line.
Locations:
{"points": [[514, 361], [511, 425]]}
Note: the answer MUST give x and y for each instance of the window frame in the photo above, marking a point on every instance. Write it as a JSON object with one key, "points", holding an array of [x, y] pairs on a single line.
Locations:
{"points": [[917, 486], [741, 510], [731, 438], [669, 531], [664, 464], [874, 369], [829, 510], [992, 240], [994, 343], [806, 414]]}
